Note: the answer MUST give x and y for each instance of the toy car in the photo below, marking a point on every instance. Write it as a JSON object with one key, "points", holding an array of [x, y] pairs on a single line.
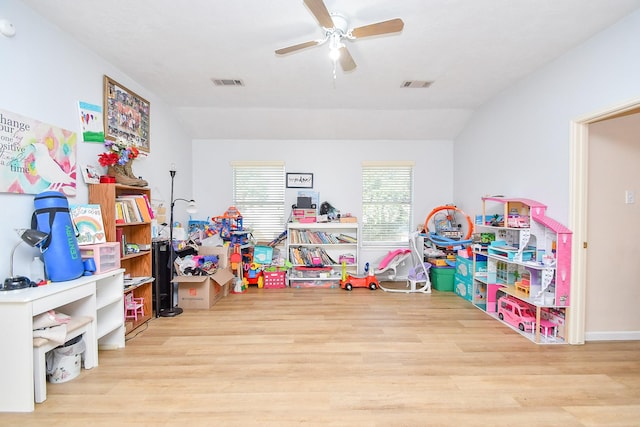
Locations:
{"points": [[350, 281], [253, 275], [516, 313]]}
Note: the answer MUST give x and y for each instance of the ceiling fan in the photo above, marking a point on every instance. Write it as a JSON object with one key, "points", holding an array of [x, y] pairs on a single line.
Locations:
{"points": [[336, 30]]}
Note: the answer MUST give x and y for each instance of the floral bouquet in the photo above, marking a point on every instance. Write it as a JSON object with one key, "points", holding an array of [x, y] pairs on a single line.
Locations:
{"points": [[118, 160], [118, 153]]}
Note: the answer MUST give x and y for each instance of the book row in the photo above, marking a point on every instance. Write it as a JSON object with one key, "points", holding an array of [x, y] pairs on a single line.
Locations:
{"points": [[133, 208], [319, 237], [311, 257]]}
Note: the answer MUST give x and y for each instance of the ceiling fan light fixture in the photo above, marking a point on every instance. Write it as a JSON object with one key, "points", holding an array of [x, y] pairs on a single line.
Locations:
{"points": [[336, 30], [334, 46], [340, 24], [334, 54]]}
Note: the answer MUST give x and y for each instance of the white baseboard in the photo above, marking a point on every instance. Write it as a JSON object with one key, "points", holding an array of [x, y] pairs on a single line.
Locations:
{"points": [[612, 336]]}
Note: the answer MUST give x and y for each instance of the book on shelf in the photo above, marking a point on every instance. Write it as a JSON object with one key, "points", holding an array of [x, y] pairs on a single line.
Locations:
{"points": [[308, 256], [132, 208], [127, 209], [120, 238], [318, 238], [346, 238], [135, 281], [87, 218], [142, 204]]}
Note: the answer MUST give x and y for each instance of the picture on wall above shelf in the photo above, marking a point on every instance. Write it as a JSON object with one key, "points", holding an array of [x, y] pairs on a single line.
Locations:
{"points": [[126, 115], [299, 180], [90, 174]]}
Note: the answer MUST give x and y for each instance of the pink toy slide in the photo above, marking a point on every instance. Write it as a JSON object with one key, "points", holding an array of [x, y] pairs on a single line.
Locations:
{"points": [[389, 264]]}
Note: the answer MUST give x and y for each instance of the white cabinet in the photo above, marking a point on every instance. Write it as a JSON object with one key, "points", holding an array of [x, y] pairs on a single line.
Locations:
{"points": [[528, 268], [98, 297], [318, 250], [110, 310]]}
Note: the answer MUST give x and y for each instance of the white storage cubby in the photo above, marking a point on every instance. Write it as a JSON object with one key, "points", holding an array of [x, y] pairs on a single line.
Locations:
{"points": [[97, 298], [336, 240]]}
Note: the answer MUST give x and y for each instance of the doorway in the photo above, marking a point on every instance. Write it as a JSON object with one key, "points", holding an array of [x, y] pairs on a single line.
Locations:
{"points": [[581, 221]]}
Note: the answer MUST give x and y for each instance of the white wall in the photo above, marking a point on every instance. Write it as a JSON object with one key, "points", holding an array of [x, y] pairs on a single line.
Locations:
{"points": [[44, 74], [518, 144], [336, 166]]}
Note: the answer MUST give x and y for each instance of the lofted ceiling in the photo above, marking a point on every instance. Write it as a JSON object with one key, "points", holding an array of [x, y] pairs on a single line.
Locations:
{"points": [[470, 49]]}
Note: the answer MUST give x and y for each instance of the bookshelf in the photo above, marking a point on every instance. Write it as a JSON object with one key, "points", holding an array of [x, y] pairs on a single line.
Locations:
{"points": [[316, 250], [132, 230]]}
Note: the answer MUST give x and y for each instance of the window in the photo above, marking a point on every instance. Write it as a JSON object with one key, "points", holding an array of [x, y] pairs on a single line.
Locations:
{"points": [[387, 202], [258, 193]]}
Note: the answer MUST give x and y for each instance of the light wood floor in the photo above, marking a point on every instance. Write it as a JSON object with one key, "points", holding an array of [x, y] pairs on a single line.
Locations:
{"points": [[318, 357]]}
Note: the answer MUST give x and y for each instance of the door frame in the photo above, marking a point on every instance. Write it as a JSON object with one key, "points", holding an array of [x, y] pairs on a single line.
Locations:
{"points": [[578, 220]]}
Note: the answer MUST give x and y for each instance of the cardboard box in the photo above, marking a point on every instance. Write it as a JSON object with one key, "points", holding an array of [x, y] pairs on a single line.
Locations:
{"points": [[222, 252], [348, 219], [202, 292], [262, 254], [463, 288]]}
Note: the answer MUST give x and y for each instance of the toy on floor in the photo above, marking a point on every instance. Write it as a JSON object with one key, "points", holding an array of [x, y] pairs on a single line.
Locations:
{"points": [[447, 230], [253, 275], [350, 281], [388, 265], [236, 265], [419, 274], [418, 277]]}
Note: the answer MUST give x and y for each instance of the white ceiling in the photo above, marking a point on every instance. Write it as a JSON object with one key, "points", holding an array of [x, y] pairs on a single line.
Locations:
{"points": [[471, 49]]}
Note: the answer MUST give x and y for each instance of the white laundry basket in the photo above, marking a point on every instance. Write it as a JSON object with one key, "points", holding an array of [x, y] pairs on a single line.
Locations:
{"points": [[64, 362]]}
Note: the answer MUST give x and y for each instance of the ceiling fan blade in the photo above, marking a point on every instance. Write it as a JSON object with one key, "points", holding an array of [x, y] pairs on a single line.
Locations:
{"points": [[384, 27], [346, 61], [320, 11], [296, 47]]}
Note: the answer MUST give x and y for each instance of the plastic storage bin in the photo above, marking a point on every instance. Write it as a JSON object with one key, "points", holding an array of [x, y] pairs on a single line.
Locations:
{"points": [[64, 362], [442, 278], [105, 255], [275, 279]]}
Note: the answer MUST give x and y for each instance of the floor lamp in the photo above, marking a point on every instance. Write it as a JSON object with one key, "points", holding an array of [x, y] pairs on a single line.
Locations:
{"points": [[191, 209]]}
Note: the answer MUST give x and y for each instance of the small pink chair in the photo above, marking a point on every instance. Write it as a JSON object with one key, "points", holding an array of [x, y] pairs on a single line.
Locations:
{"points": [[133, 306]]}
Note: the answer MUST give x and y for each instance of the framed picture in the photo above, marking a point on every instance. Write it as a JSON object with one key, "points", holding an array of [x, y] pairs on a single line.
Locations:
{"points": [[126, 115], [88, 221], [90, 174], [299, 180]]}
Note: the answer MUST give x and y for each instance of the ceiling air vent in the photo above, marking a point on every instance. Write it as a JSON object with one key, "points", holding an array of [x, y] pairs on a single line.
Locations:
{"points": [[416, 83], [227, 82]]}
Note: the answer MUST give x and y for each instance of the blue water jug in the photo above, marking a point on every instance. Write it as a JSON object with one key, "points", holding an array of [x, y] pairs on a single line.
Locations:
{"points": [[61, 254]]}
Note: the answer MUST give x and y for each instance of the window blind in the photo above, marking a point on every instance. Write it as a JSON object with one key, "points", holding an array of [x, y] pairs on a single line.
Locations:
{"points": [[258, 193], [387, 202]]}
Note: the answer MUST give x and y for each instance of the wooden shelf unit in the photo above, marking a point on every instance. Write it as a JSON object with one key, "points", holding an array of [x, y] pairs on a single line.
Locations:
{"points": [[135, 264]]}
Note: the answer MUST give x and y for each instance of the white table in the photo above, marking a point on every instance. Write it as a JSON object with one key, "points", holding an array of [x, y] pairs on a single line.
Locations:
{"points": [[17, 309]]}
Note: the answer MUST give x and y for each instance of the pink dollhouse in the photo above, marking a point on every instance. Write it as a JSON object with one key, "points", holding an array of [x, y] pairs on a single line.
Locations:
{"points": [[544, 247], [529, 262]]}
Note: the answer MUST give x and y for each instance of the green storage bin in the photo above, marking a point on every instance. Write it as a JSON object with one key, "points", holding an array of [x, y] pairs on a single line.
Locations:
{"points": [[442, 278]]}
